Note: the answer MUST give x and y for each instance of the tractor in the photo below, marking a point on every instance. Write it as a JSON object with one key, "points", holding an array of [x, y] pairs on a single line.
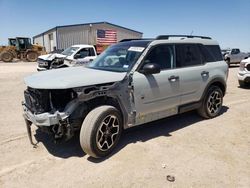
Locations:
{"points": [[21, 48]]}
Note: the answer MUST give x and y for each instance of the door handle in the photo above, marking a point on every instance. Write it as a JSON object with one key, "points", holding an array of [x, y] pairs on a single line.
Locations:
{"points": [[173, 78], [204, 73]]}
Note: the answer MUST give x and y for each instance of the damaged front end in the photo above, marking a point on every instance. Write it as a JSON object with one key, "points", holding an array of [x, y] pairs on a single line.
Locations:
{"points": [[50, 111], [57, 63], [60, 112]]}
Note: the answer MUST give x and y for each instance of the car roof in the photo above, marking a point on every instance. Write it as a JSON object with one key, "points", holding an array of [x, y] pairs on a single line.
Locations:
{"points": [[82, 46], [135, 42], [175, 39], [187, 40]]}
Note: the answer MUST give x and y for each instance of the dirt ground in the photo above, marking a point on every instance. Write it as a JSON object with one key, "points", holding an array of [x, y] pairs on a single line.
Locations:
{"points": [[197, 152]]}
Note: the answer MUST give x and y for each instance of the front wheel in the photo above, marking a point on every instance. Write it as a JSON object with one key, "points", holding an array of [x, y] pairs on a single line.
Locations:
{"points": [[212, 103], [101, 130], [6, 56], [32, 56]]}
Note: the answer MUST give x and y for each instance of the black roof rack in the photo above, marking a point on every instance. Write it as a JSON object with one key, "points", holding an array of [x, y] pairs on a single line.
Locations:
{"points": [[126, 40], [160, 37]]}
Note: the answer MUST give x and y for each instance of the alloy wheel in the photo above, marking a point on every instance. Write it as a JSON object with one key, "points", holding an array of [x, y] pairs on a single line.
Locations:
{"points": [[214, 102], [107, 133]]}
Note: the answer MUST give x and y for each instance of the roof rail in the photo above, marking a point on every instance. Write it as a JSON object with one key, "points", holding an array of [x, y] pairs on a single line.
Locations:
{"points": [[160, 37], [126, 40]]}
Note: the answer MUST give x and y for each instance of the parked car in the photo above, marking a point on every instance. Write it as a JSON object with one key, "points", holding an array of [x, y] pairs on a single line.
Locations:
{"points": [[244, 73], [224, 52], [234, 56], [129, 84], [72, 56]]}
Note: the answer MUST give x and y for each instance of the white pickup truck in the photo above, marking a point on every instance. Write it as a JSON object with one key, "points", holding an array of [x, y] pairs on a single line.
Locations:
{"points": [[234, 56], [72, 56]]}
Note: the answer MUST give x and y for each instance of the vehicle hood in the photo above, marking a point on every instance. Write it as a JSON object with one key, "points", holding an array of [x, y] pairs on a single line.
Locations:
{"points": [[71, 77], [50, 57]]}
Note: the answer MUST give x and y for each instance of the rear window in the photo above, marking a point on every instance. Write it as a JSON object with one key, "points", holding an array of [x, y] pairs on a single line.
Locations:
{"points": [[215, 52]]}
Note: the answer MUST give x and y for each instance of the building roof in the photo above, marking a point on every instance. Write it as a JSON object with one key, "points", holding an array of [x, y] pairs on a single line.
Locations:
{"points": [[93, 23]]}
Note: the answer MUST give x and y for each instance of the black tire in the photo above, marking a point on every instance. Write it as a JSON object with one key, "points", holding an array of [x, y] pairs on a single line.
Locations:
{"points": [[212, 103], [97, 140], [242, 83], [32, 56], [228, 62], [6, 56]]}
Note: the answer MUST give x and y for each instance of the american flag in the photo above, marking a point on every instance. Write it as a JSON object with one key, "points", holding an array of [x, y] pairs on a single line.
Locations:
{"points": [[106, 36]]}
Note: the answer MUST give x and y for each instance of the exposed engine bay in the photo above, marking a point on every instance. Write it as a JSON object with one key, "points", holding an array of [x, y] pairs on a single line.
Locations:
{"points": [[60, 112]]}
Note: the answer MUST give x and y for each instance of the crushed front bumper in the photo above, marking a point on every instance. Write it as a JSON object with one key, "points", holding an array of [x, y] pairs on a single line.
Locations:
{"points": [[42, 120]]}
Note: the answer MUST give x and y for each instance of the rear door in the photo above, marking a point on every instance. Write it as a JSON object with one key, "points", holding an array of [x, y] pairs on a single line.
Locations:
{"points": [[192, 72]]}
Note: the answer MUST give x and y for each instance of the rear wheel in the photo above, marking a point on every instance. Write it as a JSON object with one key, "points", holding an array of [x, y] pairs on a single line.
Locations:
{"points": [[212, 103], [32, 56], [101, 130], [6, 56]]}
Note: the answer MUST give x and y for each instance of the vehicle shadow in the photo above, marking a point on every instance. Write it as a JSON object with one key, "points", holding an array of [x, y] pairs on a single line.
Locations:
{"points": [[13, 61], [143, 133], [70, 148], [245, 87], [234, 66], [163, 127]]}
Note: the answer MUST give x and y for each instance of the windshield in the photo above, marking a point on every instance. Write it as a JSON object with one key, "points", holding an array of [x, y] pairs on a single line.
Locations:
{"points": [[118, 58], [69, 51]]}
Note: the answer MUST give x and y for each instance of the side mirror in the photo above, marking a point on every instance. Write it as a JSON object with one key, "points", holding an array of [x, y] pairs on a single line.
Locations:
{"points": [[151, 68]]}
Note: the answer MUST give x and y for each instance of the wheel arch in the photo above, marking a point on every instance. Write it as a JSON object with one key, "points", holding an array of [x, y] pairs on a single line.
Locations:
{"points": [[109, 100], [100, 101], [216, 82]]}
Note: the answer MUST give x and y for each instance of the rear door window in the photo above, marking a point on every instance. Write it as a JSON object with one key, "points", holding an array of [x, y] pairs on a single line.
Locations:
{"points": [[187, 55], [92, 52]]}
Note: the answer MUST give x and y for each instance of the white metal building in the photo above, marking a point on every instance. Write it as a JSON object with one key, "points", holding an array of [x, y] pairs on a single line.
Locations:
{"points": [[61, 37]]}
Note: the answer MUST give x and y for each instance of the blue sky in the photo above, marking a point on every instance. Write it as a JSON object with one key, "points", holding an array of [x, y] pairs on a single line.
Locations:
{"points": [[227, 21]]}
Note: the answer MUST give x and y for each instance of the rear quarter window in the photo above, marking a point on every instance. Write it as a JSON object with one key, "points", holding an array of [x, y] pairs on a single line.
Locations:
{"points": [[207, 55], [215, 51]]}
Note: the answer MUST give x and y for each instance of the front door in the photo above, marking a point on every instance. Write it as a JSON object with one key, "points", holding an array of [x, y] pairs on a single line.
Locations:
{"points": [[156, 95]]}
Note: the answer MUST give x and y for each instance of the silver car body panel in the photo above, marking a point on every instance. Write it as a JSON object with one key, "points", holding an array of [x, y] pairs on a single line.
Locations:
{"points": [[72, 77], [142, 98]]}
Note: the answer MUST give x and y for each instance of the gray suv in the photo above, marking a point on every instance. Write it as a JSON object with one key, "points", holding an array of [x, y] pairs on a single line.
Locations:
{"points": [[129, 84]]}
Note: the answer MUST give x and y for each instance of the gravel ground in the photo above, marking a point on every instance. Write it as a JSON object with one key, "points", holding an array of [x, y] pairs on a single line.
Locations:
{"points": [[197, 152]]}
